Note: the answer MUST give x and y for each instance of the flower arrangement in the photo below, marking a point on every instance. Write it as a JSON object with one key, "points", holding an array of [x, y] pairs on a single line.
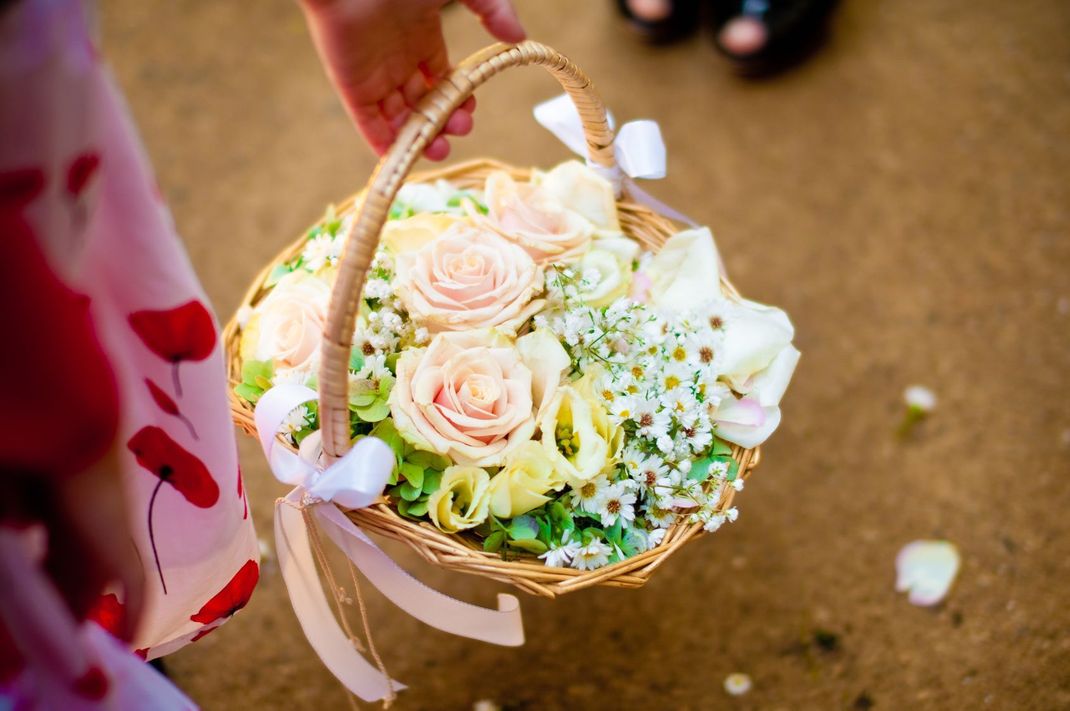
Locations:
{"points": [[546, 383]]}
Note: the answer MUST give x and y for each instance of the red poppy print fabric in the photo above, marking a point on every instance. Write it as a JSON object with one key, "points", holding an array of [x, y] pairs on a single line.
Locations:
{"points": [[168, 460], [186, 332], [233, 597], [85, 195], [81, 171]]}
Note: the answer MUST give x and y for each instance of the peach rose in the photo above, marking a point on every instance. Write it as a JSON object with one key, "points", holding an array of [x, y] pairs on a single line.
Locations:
{"points": [[530, 216], [468, 278], [473, 395], [287, 326]]}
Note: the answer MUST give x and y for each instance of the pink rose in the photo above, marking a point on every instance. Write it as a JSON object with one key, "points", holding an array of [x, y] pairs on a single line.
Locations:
{"points": [[530, 216], [474, 395], [468, 278], [287, 325]]}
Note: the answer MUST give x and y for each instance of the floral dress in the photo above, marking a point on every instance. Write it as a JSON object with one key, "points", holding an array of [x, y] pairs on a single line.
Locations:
{"points": [[77, 191]]}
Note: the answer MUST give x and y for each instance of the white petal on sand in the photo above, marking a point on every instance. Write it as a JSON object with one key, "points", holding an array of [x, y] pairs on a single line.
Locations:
{"points": [[920, 397], [926, 569], [737, 684]]}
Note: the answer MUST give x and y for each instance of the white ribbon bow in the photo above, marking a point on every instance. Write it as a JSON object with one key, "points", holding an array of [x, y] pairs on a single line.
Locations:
{"points": [[638, 148], [355, 481]]}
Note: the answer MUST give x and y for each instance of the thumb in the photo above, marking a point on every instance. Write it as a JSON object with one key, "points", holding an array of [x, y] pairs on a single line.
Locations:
{"points": [[498, 18]]}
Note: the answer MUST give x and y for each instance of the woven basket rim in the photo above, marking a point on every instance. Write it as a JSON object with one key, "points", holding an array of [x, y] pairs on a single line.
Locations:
{"points": [[460, 551]]}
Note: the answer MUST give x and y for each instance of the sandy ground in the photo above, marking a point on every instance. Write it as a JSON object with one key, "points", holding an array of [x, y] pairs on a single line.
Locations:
{"points": [[905, 196]]}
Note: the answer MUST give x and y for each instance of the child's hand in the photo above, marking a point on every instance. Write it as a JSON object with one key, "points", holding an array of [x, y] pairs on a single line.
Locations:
{"points": [[383, 55]]}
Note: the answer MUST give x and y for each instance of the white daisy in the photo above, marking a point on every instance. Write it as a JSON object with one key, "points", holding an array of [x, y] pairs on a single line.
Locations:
{"points": [[561, 555], [676, 375], [653, 421], [296, 376], [699, 436], [296, 421], [651, 473], [618, 502], [659, 516], [655, 537], [631, 457], [668, 482], [588, 496], [593, 555], [703, 347]]}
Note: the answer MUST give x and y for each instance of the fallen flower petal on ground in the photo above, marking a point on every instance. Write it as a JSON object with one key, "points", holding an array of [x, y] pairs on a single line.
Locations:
{"points": [[926, 569]]}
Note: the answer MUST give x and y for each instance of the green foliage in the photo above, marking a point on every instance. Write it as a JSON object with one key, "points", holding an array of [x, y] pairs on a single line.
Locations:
{"points": [[413, 473], [368, 399], [523, 528], [532, 545], [417, 475], [356, 360], [276, 274], [493, 542], [256, 378], [720, 447]]}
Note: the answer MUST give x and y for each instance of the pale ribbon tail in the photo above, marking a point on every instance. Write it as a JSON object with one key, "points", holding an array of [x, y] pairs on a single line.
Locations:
{"points": [[503, 626], [355, 481], [313, 612]]}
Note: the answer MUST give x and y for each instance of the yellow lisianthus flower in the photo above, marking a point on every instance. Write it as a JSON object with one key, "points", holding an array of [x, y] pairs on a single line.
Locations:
{"points": [[462, 499], [522, 483]]}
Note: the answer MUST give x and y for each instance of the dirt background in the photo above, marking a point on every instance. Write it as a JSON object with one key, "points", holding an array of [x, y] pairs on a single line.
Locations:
{"points": [[905, 196]]}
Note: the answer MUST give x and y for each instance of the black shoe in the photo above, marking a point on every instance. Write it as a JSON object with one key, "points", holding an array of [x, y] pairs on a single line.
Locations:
{"points": [[784, 31], [682, 20]]}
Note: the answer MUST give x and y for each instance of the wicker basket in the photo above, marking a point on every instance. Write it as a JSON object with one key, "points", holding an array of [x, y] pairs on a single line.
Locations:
{"points": [[371, 206]]}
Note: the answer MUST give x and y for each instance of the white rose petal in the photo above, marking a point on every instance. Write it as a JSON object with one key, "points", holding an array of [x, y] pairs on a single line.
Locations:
{"points": [[685, 272], [737, 684], [920, 398], [745, 422], [769, 385], [926, 569], [754, 335], [580, 189]]}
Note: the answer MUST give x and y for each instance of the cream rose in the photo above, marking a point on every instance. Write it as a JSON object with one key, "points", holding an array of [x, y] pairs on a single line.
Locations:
{"points": [[413, 233], [473, 395], [685, 271], [529, 216], [469, 277], [461, 500], [606, 270], [287, 326], [577, 433], [581, 190], [758, 360], [522, 483]]}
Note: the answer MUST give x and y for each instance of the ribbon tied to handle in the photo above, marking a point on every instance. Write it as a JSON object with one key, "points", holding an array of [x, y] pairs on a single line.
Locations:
{"points": [[355, 481], [638, 148]]}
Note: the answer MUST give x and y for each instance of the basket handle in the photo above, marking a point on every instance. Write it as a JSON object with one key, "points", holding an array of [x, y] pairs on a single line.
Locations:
{"points": [[363, 236]]}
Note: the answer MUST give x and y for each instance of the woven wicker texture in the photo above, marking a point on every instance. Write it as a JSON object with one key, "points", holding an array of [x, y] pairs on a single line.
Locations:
{"points": [[371, 207]]}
